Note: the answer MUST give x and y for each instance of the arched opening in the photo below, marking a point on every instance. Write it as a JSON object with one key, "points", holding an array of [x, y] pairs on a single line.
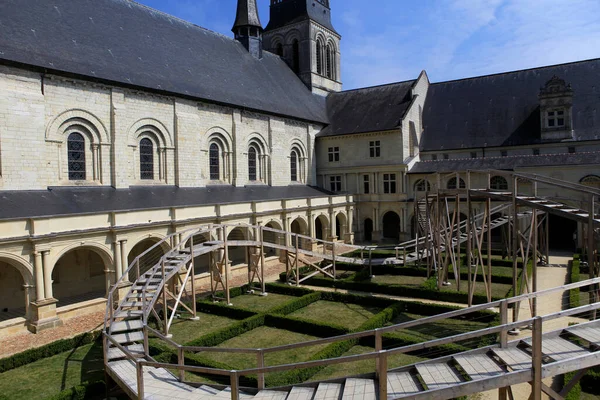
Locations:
{"points": [[422, 185], [76, 156], [146, 159], [498, 183], [498, 234], [299, 227], [296, 56], [13, 296], [148, 259], [591, 181], [340, 226], [252, 163], [279, 50], [368, 230], [202, 262], [273, 237], [237, 254], [321, 226], [563, 233], [391, 226], [452, 184], [79, 276], [214, 162], [294, 166]]}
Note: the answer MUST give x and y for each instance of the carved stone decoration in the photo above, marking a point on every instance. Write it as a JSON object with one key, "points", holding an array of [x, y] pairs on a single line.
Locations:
{"points": [[556, 110]]}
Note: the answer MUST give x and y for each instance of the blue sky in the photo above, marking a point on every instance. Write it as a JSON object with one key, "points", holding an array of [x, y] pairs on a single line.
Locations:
{"points": [[393, 40]]}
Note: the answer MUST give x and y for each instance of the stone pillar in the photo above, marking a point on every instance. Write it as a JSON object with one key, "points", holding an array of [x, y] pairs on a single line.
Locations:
{"points": [[39, 277], [42, 312], [377, 235], [124, 263], [332, 236], [118, 260]]}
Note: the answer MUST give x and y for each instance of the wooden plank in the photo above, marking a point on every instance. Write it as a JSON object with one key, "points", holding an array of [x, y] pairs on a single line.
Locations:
{"points": [[328, 391], [479, 366], [588, 332], [301, 393], [359, 389], [560, 349], [514, 357], [438, 375]]}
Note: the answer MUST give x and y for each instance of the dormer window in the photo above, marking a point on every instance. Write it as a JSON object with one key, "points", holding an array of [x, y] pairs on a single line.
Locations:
{"points": [[555, 118]]}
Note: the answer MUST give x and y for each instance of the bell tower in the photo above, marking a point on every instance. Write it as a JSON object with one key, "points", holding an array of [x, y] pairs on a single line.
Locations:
{"points": [[301, 32], [247, 27]]}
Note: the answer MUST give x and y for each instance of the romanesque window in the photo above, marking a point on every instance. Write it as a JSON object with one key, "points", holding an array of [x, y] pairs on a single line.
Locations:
{"points": [[329, 62], [294, 166], [252, 156], [146, 159], [375, 149], [335, 183], [498, 183], [555, 118], [334, 154], [279, 50], [319, 58], [76, 157], [389, 183], [213, 157], [422, 185], [296, 55], [452, 183]]}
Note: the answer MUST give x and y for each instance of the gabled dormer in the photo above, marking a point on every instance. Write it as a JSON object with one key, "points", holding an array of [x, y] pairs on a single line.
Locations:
{"points": [[556, 110]]}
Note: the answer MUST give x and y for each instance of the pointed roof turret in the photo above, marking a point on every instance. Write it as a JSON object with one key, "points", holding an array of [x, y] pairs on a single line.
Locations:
{"points": [[246, 16]]}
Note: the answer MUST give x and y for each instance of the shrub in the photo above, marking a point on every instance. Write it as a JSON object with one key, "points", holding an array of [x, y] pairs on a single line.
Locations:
{"points": [[313, 328], [285, 289], [590, 383], [296, 304], [575, 393], [218, 337], [49, 350], [81, 392], [223, 310]]}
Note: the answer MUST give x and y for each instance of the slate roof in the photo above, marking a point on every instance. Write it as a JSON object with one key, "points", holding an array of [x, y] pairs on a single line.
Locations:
{"points": [[372, 109], [506, 163], [247, 14], [123, 42], [292, 11], [86, 200], [503, 109]]}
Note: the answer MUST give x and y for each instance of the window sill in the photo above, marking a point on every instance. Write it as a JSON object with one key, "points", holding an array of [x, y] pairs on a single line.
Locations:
{"points": [[149, 182], [79, 183]]}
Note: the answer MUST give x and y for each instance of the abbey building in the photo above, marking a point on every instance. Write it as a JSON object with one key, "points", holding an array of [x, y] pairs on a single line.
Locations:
{"points": [[120, 125]]}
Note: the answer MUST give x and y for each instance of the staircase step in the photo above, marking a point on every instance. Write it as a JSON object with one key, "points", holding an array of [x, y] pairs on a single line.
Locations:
{"points": [[136, 349], [560, 349], [139, 295], [301, 393], [226, 395], [438, 375], [514, 357], [479, 366], [124, 326], [271, 395], [328, 391], [129, 314], [128, 337], [402, 383], [132, 304], [355, 389], [587, 332]]}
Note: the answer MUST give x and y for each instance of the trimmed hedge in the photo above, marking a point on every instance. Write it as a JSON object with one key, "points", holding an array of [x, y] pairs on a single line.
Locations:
{"points": [[223, 310], [49, 350], [298, 325], [81, 392], [218, 337], [296, 304], [281, 288]]}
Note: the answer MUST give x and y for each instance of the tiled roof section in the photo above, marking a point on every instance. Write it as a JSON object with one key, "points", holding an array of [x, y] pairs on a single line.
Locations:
{"points": [[503, 109], [247, 14], [506, 163], [86, 200], [291, 11], [124, 42], [372, 109]]}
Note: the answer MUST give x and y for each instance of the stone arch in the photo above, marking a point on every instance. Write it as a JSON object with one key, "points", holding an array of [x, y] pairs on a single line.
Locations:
{"points": [[201, 262], [79, 273], [321, 227], [97, 130], [151, 239], [238, 254], [591, 181], [16, 286], [102, 250], [273, 237], [258, 161], [391, 225], [220, 169], [158, 130], [292, 35], [341, 225]]}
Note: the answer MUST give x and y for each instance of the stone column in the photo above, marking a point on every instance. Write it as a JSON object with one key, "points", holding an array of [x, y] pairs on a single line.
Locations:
{"points": [[124, 263], [47, 275], [118, 260], [39, 277]]}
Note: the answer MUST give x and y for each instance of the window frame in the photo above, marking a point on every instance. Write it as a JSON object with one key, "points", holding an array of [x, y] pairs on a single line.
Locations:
{"points": [[554, 116], [390, 185], [366, 184], [335, 183], [253, 162], [498, 182], [148, 172], [375, 148], [422, 185], [81, 174], [294, 165], [214, 161], [452, 184], [333, 154]]}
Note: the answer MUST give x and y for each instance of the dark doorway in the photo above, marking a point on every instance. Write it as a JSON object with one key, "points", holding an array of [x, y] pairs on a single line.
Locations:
{"points": [[319, 229], [561, 233], [368, 230], [391, 225]]}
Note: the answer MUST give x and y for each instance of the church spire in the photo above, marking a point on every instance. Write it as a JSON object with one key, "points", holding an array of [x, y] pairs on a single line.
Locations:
{"points": [[247, 27]]}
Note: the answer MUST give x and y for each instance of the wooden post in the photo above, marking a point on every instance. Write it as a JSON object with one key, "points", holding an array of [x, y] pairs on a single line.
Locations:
{"points": [[382, 374], [193, 276], [536, 391], [261, 233], [534, 262], [260, 363], [181, 363], [333, 261], [139, 369], [515, 252], [235, 385], [469, 241], [590, 252], [297, 266], [378, 347], [146, 342], [165, 308], [458, 235], [503, 321], [488, 211]]}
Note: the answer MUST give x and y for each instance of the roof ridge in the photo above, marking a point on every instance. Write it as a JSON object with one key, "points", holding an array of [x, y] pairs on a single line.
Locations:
{"points": [[377, 86], [516, 71], [513, 156], [171, 16]]}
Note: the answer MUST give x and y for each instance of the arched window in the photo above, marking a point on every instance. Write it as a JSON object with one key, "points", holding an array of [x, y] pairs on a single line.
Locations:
{"points": [[146, 159], [76, 156], [498, 183], [422, 185], [252, 156], [591, 181], [279, 50], [213, 157], [294, 166], [319, 58], [329, 61], [452, 184], [296, 55]]}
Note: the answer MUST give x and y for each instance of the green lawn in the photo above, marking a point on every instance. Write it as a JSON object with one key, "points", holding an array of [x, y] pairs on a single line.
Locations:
{"points": [[265, 337], [498, 289], [415, 281], [362, 367], [49, 376], [254, 302], [343, 314], [184, 330], [438, 329]]}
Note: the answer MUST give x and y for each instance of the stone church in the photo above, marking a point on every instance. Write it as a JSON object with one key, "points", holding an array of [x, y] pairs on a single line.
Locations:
{"points": [[121, 125]]}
